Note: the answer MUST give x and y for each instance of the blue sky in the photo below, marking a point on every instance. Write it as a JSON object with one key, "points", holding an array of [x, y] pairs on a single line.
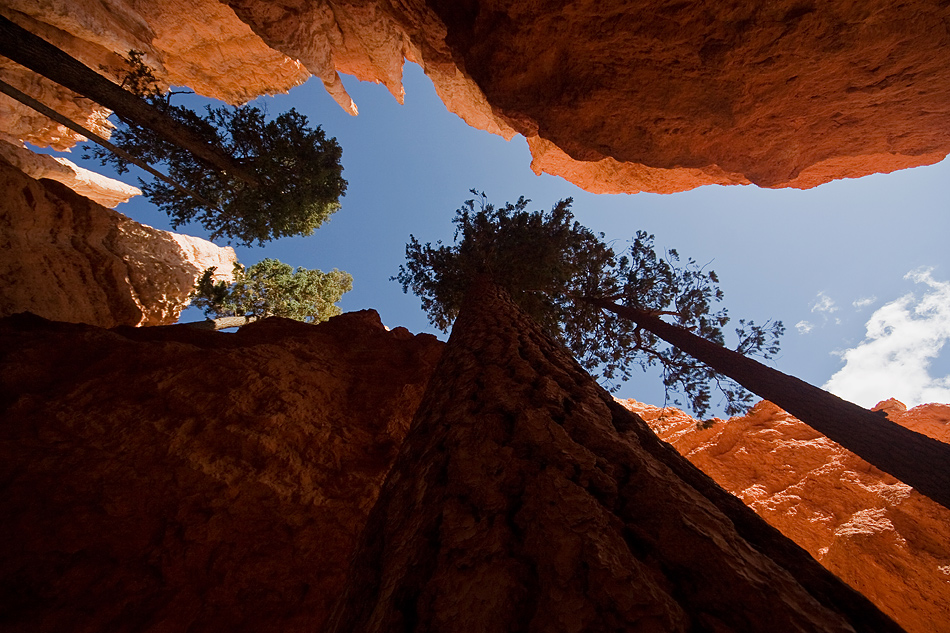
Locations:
{"points": [[827, 261]]}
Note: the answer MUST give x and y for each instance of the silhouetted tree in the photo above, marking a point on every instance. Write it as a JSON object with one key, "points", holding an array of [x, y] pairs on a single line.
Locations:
{"points": [[552, 266], [297, 170], [608, 310], [241, 176], [270, 288]]}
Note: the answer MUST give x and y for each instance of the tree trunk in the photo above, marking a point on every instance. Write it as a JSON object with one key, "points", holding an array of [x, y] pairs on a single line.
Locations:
{"points": [[525, 499], [914, 458], [40, 56], [222, 323]]}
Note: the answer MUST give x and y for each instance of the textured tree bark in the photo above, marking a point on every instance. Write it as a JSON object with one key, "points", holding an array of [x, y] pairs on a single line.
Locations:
{"points": [[912, 457], [40, 56], [526, 499]]}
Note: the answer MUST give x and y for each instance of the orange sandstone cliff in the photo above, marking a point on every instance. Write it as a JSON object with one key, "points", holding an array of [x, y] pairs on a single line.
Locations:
{"points": [[876, 533], [65, 257], [618, 96]]}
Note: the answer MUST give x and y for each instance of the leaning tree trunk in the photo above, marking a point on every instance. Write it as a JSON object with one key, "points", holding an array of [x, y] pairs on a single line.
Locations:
{"points": [[222, 323], [526, 499], [40, 56], [914, 458]]}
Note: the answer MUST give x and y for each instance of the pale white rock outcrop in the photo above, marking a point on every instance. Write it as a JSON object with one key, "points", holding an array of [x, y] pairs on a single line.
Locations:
{"points": [[67, 258], [106, 191]]}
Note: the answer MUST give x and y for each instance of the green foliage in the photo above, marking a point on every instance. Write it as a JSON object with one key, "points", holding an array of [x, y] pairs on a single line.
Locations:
{"points": [[273, 288], [298, 170], [552, 266]]}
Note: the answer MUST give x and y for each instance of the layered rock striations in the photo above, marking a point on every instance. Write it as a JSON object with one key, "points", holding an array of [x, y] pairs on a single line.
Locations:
{"points": [[624, 96], [525, 499], [170, 479], [876, 533], [64, 257]]}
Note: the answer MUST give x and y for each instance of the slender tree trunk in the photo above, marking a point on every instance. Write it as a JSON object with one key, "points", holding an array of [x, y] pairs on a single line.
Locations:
{"points": [[42, 108], [40, 56], [525, 499], [222, 323], [914, 458]]}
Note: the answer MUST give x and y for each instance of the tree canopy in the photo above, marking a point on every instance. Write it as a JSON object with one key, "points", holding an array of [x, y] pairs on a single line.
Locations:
{"points": [[273, 288], [296, 175], [554, 268]]}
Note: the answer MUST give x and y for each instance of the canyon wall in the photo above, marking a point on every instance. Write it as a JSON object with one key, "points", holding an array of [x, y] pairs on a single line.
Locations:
{"points": [[171, 479], [874, 532], [65, 257], [177, 479], [624, 96], [195, 43], [98, 188]]}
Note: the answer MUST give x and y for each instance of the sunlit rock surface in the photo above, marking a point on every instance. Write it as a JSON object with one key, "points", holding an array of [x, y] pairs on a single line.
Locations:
{"points": [[98, 188], [195, 43], [658, 95], [170, 479], [619, 96], [64, 257], [876, 533]]}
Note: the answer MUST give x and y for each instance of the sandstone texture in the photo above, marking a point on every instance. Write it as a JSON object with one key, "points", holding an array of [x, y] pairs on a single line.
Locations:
{"points": [[874, 532], [780, 94], [170, 479], [64, 257], [657, 95], [525, 499], [623, 96], [96, 187]]}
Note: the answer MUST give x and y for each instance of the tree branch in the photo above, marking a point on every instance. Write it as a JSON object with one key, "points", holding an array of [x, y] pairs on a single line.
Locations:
{"points": [[43, 109], [27, 49]]}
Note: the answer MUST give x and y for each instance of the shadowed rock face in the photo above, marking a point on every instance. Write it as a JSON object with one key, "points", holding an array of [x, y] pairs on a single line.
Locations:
{"points": [[876, 533], [525, 499], [64, 257], [180, 480]]}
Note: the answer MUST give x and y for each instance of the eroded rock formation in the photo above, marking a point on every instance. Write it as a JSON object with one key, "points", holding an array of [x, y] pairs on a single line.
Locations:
{"points": [[622, 96], [96, 187], [181, 480], [876, 533], [660, 95], [525, 499], [64, 257], [196, 43]]}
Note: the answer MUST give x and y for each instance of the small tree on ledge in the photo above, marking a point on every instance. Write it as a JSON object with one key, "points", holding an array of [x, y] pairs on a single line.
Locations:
{"points": [[270, 288]]}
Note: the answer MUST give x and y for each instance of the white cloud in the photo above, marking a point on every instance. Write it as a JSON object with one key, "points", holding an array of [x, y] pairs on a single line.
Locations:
{"points": [[903, 337], [804, 327], [864, 302], [824, 303]]}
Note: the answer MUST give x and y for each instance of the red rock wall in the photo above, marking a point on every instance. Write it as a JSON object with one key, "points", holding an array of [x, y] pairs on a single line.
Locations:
{"points": [[168, 479], [781, 94], [64, 257], [876, 533], [659, 95], [618, 96]]}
